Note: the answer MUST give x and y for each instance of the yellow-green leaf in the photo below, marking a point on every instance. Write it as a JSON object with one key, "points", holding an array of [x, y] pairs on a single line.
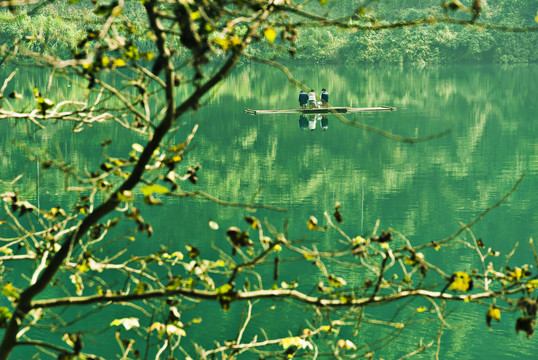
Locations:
{"points": [[125, 195], [131, 53], [119, 62], [461, 281], [532, 284], [224, 289], [213, 225], [346, 345], [140, 288], [295, 341], [225, 295], [493, 313], [270, 34], [137, 147], [150, 189], [6, 250], [157, 326], [105, 60], [149, 55], [174, 330], [235, 41], [83, 267], [9, 291], [223, 43], [77, 281], [127, 323], [5, 316], [44, 104], [337, 282]]}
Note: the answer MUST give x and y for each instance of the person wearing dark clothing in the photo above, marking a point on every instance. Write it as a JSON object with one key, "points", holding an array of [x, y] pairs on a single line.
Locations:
{"points": [[303, 99], [324, 98]]}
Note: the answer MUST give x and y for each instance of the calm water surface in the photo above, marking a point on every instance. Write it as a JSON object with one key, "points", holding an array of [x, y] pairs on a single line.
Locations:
{"points": [[423, 190]]}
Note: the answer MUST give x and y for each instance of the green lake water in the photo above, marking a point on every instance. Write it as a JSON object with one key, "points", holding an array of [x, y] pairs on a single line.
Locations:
{"points": [[423, 190]]}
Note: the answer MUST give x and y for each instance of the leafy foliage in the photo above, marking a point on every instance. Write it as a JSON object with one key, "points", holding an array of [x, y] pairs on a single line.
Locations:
{"points": [[144, 73]]}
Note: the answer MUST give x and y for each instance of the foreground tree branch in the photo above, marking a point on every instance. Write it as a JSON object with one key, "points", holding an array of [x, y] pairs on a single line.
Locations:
{"points": [[146, 75]]}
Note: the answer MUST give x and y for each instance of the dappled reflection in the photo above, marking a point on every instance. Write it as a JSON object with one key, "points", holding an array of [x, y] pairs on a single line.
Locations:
{"points": [[310, 121], [423, 191], [409, 187]]}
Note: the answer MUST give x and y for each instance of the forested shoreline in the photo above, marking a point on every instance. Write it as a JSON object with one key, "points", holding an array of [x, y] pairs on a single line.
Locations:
{"points": [[437, 43]]}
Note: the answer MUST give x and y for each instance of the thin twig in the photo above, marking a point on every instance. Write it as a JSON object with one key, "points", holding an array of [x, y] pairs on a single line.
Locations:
{"points": [[247, 320], [478, 218]]}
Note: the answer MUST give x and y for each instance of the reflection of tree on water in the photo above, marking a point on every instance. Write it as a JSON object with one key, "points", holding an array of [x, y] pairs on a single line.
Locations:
{"points": [[310, 121]]}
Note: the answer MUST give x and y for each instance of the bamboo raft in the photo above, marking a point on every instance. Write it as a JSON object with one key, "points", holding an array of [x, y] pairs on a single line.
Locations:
{"points": [[329, 110]]}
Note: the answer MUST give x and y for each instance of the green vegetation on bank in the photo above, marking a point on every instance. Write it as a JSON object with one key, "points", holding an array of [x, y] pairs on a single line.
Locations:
{"points": [[440, 43]]}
